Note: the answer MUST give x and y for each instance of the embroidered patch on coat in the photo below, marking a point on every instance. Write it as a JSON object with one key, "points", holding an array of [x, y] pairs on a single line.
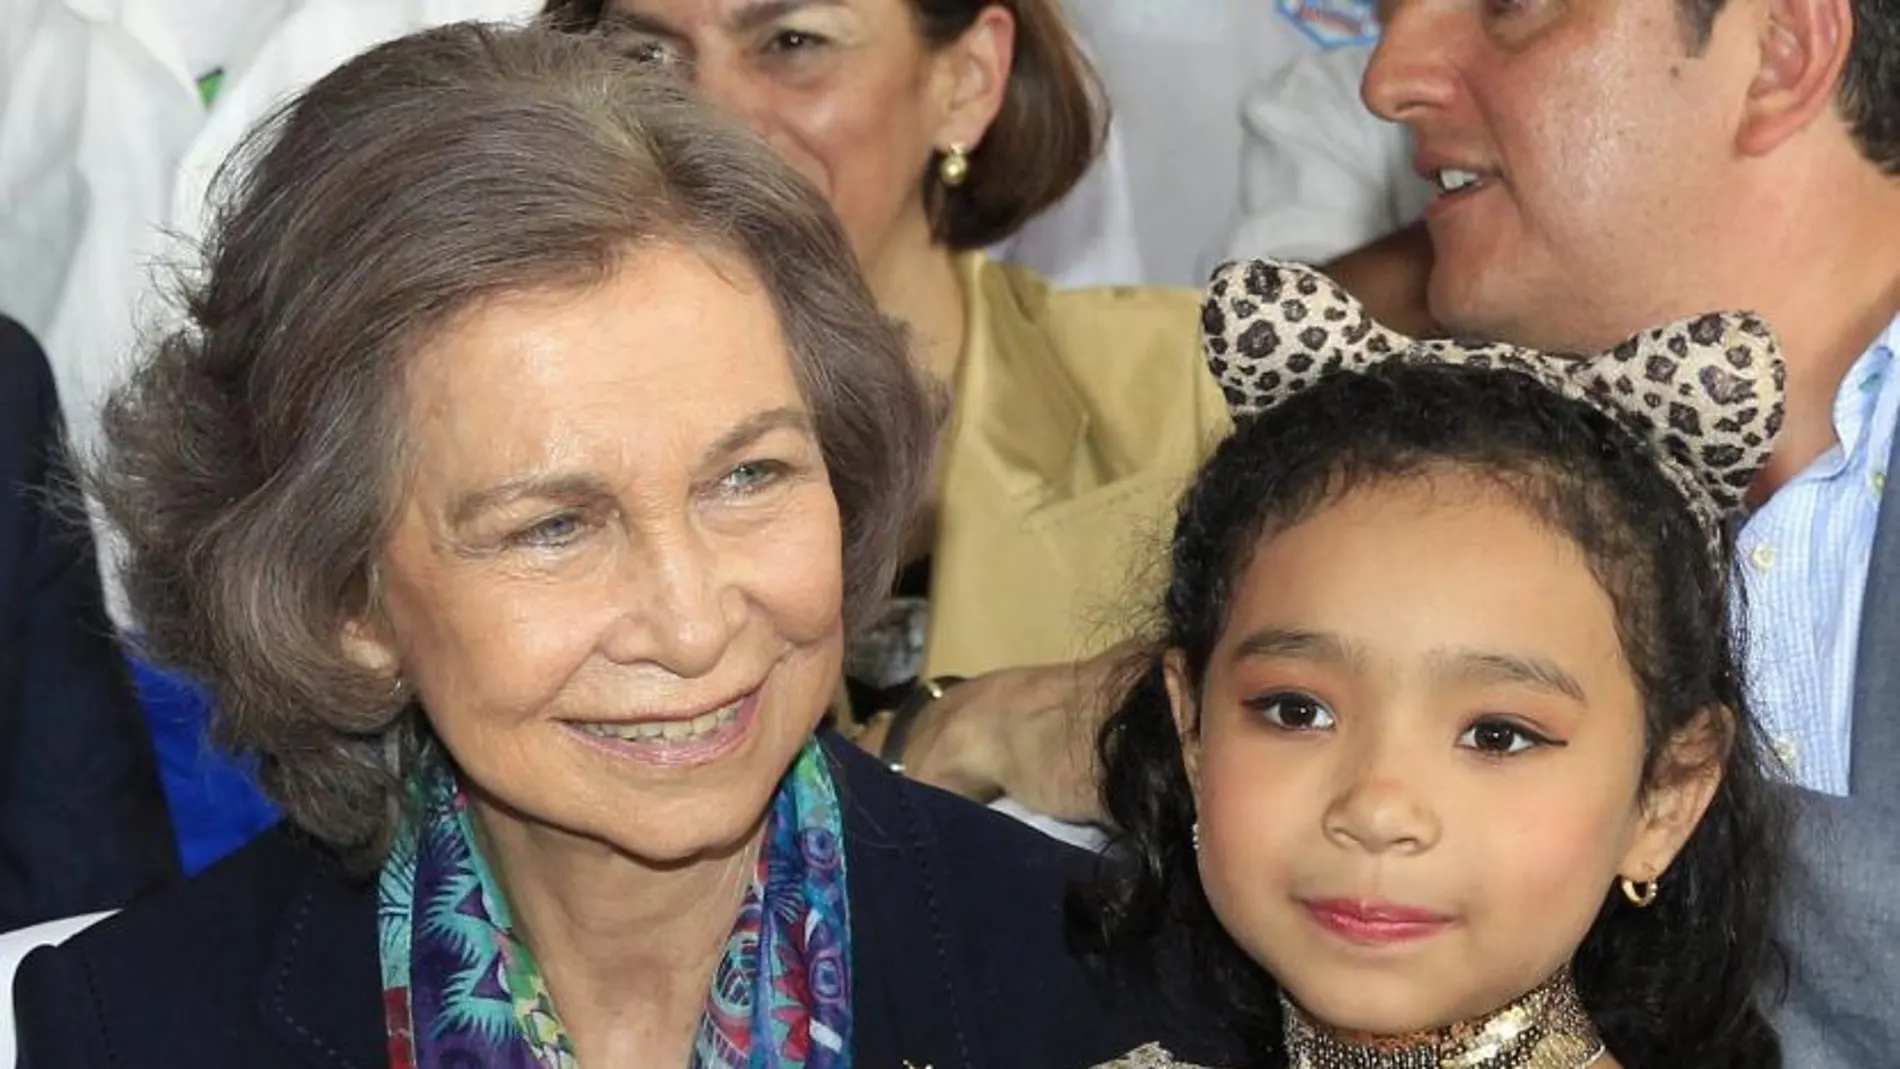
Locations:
{"points": [[1333, 23]]}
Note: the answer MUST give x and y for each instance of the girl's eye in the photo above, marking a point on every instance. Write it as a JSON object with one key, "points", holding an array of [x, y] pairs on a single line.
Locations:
{"points": [[1501, 738], [1293, 711], [553, 532]]}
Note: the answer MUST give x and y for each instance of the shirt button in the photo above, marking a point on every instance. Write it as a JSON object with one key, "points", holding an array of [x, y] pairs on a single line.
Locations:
{"points": [[1880, 482], [1762, 556]]}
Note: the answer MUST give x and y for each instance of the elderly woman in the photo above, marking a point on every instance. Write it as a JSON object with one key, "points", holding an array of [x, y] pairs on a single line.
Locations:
{"points": [[937, 128], [531, 448]]}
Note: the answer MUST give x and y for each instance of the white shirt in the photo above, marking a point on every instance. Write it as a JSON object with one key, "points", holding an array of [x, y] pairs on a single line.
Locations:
{"points": [[1177, 73], [1320, 174], [1802, 559]]}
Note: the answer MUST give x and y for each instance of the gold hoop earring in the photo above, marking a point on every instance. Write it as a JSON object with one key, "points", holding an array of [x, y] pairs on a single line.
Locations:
{"points": [[1641, 893], [954, 169]]}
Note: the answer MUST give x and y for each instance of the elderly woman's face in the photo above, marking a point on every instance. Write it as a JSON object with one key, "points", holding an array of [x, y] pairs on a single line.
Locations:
{"points": [[847, 91], [614, 579]]}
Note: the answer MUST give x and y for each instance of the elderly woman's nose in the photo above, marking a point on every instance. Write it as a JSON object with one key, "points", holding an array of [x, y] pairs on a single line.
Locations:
{"points": [[678, 608]]}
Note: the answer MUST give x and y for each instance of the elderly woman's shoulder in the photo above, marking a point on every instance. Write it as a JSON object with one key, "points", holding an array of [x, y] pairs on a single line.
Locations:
{"points": [[888, 816], [958, 917], [242, 896], [277, 918]]}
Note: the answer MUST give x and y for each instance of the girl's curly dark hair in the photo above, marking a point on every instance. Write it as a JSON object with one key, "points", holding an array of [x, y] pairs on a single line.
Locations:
{"points": [[1675, 984]]}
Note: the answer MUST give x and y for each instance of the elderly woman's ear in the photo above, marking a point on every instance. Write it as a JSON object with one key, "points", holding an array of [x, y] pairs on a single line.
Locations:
{"points": [[366, 644]]}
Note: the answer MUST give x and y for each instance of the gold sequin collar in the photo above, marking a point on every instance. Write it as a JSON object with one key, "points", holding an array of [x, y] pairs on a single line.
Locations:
{"points": [[1546, 1029]]}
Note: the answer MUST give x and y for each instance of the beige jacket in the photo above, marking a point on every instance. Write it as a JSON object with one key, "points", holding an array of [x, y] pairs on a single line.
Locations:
{"points": [[1080, 416]]}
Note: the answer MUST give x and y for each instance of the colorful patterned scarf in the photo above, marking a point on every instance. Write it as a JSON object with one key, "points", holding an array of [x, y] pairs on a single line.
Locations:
{"points": [[460, 989]]}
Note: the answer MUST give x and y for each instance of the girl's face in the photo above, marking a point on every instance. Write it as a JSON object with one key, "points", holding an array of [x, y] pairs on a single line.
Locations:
{"points": [[1418, 756]]}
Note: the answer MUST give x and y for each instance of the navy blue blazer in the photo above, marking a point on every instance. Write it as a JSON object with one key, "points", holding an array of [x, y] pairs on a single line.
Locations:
{"points": [[959, 960], [83, 824]]}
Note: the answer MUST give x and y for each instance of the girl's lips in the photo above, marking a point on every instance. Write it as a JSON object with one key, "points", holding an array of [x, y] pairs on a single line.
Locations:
{"points": [[1375, 923]]}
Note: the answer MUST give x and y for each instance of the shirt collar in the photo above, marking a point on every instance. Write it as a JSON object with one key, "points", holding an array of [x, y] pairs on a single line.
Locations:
{"points": [[1862, 396]]}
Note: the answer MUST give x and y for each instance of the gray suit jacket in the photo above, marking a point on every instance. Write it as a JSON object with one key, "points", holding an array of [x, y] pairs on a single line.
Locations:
{"points": [[1842, 923]]}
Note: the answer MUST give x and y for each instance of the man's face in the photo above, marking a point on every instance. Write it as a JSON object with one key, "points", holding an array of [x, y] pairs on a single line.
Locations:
{"points": [[1584, 151]]}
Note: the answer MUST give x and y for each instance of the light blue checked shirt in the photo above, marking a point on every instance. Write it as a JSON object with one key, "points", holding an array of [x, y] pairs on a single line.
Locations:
{"points": [[1802, 560]]}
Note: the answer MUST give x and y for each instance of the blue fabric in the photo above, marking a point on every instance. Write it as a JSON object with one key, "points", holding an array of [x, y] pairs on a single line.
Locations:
{"points": [[1803, 560], [216, 805]]}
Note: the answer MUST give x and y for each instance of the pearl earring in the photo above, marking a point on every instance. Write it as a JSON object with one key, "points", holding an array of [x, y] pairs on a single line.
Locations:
{"points": [[954, 169]]}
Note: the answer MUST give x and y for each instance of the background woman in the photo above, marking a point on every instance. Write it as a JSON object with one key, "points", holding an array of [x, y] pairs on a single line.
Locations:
{"points": [[936, 128], [532, 445]]}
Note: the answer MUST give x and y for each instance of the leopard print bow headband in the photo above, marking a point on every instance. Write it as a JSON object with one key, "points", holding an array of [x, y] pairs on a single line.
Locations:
{"points": [[1704, 393]]}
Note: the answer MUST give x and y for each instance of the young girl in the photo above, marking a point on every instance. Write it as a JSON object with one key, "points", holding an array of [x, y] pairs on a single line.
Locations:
{"points": [[1443, 755]]}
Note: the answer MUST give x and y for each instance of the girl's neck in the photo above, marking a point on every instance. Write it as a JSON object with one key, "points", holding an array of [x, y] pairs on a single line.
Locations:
{"points": [[1546, 1028]]}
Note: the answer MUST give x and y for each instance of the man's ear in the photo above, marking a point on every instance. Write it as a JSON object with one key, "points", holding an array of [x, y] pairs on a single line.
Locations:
{"points": [[1689, 773], [1803, 49], [1187, 716], [972, 78]]}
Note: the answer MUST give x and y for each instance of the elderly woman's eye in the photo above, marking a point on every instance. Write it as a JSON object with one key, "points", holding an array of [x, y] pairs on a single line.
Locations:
{"points": [[1293, 711], [753, 475], [1496, 736], [554, 531]]}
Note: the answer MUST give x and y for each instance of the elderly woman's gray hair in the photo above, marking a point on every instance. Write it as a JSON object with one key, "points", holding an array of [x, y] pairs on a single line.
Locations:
{"points": [[254, 460]]}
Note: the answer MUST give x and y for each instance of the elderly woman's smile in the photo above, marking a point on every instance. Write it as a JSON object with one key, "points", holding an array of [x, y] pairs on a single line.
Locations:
{"points": [[614, 577], [681, 736]]}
